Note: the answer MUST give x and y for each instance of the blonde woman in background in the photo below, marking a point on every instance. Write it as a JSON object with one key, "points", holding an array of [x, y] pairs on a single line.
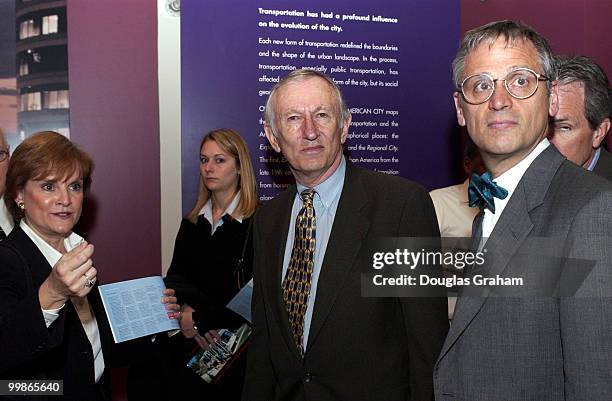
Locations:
{"points": [[205, 269]]}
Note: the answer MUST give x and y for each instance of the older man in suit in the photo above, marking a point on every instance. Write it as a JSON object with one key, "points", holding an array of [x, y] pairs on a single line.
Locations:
{"points": [[6, 220], [548, 216], [585, 110], [315, 337]]}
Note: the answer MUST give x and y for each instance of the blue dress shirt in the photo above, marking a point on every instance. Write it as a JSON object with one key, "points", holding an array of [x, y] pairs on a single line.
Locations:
{"points": [[595, 160], [325, 203]]}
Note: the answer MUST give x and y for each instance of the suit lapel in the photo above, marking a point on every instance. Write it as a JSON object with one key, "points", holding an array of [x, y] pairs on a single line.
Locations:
{"points": [[511, 230], [276, 251], [351, 224], [103, 325], [39, 267]]}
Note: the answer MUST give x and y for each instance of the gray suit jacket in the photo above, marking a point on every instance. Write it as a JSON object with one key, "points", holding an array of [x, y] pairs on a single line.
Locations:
{"points": [[538, 347]]}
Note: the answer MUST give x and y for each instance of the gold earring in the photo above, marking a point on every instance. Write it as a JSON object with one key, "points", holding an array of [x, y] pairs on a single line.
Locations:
{"points": [[21, 206]]}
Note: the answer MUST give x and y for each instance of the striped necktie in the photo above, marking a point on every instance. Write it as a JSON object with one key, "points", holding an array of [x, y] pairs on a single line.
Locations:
{"points": [[296, 286]]}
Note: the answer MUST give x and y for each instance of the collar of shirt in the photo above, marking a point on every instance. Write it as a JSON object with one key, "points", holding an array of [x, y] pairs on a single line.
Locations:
{"points": [[326, 191], [51, 254], [509, 180], [595, 159], [463, 191], [6, 220], [206, 211]]}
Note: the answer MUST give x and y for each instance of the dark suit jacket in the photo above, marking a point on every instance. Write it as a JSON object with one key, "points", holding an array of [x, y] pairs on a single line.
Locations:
{"points": [[30, 350], [604, 164], [533, 347], [358, 348]]}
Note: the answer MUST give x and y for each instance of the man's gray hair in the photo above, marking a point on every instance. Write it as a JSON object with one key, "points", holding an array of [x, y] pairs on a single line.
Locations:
{"points": [[301, 75], [512, 32], [597, 92]]}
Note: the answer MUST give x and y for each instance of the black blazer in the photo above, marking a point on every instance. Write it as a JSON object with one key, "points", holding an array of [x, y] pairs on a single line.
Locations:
{"points": [[203, 269], [30, 350], [358, 348], [203, 274]]}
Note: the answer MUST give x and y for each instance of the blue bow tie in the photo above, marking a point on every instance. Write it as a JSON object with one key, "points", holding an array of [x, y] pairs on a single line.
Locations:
{"points": [[482, 190]]}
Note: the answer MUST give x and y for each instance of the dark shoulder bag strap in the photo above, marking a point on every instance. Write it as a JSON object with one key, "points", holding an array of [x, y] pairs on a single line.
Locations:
{"points": [[239, 271]]}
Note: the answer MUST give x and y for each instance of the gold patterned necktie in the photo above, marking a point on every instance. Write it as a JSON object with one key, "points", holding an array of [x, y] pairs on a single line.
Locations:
{"points": [[296, 286]]}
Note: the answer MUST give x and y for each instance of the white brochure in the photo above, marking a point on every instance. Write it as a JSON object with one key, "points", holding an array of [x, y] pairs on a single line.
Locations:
{"points": [[134, 308]]}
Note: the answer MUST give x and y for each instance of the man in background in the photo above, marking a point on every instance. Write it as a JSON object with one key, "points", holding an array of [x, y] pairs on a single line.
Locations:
{"points": [[6, 221], [585, 109]]}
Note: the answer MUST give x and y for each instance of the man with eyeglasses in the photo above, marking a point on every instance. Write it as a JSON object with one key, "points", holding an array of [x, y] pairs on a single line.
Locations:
{"points": [[585, 110], [542, 219], [6, 221]]}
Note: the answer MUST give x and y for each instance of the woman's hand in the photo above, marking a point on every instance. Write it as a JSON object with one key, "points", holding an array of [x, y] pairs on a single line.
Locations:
{"points": [[174, 309], [72, 276], [189, 331], [208, 339], [187, 327]]}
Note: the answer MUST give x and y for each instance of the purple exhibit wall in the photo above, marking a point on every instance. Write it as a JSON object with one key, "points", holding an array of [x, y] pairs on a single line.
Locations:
{"points": [[391, 59], [112, 52]]}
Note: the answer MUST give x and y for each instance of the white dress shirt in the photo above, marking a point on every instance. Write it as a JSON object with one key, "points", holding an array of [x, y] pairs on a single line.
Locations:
{"points": [[206, 211], [509, 181], [91, 327], [6, 220]]}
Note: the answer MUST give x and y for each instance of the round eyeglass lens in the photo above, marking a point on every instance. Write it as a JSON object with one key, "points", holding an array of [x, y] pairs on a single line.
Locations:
{"points": [[520, 83]]}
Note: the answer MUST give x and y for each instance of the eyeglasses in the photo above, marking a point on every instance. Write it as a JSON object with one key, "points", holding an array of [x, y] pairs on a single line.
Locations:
{"points": [[4, 154], [520, 84]]}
